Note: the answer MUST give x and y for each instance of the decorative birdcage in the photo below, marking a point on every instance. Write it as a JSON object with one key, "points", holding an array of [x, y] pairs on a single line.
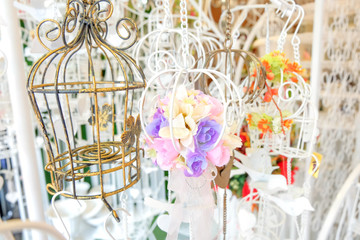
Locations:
{"points": [[87, 87], [243, 67]]}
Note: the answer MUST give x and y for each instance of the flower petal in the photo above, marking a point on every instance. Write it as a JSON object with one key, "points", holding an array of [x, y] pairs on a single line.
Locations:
{"points": [[232, 141], [186, 109], [179, 133], [181, 92], [190, 122], [201, 111], [188, 142]]}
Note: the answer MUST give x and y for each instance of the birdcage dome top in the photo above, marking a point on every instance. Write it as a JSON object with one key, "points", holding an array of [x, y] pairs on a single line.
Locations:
{"points": [[83, 43]]}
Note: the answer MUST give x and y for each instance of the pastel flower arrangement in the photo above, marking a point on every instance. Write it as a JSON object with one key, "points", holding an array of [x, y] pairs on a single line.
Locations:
{"points": [[196, 126]]}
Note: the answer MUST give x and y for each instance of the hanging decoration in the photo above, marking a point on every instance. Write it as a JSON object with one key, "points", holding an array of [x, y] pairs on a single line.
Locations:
{"points": [[197, 126], [279, 71], [281, 122], [188, 134], [226, 61], [115, 130]]}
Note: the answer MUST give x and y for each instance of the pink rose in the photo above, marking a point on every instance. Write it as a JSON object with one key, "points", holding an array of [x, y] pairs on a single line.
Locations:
{"points": [[166, 154], [216, 107], [219, 156]]}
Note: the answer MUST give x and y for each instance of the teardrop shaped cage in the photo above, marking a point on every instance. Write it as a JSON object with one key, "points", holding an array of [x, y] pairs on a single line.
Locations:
{"points": [[87, 83]]}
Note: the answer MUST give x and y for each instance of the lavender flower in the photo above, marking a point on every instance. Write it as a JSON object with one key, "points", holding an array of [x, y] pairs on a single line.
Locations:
{"points": [[159, 121], [196, 163], [207, 134]]}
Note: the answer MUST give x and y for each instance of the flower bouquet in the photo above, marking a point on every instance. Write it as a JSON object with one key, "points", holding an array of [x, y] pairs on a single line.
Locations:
{"points": [[195, 137], [188, 136]]}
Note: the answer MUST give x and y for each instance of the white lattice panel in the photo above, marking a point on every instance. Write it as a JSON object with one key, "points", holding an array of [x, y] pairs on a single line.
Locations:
{"points": [[339, 105]]}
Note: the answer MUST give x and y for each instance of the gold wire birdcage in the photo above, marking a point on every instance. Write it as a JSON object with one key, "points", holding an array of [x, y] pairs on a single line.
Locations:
{"points": [[87, 66]]}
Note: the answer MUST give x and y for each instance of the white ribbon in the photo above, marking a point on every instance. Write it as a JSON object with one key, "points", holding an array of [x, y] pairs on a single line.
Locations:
{"points": [[194, 204]]}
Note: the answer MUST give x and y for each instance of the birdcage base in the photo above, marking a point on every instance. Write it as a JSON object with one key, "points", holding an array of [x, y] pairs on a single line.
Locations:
{"points": [[85, 162], [89, 154]]}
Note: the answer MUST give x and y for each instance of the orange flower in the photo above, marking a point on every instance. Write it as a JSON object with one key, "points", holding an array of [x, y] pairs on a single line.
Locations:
{"points": [[249, 119], [287, 123], [245, 136], [293, 67], [294, 79], [274, 91], [277, 53], [269, 94], [264, 125], [285, 61], [267, 97], [254, 73], [267, 65], [270, 76]]}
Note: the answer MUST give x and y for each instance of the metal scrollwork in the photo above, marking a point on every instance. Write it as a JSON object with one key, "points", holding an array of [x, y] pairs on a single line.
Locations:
{"points": [[106, 76]]}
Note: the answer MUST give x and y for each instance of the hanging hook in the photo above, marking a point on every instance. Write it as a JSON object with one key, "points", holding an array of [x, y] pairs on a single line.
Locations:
{"points": [[295, 41], [284, 9], [107, 218], [112, 211], [57, 212]]}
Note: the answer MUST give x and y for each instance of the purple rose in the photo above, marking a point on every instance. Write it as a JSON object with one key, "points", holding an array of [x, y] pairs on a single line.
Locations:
{"points": [[196, 162], [159, 121], [207, 134]]}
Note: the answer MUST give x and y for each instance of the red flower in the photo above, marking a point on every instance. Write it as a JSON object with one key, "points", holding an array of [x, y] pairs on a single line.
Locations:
{"points": [[283, 169], [246, 191]]}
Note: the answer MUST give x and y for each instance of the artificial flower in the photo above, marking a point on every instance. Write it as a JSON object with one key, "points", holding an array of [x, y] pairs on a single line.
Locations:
{"points": [[230, 138], [283, 165], [219, 156], [293, 67], [287, 123], [196, 163], [264, 126], [276, 124], [246, 191], [207, 134], [196, 127], [166, 154], [216, 107], [159, 121], [268, 124], [179, 129]]}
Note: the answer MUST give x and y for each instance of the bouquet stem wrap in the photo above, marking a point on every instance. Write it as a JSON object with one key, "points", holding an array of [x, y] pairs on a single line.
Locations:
{"points": [[194, 204]]}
